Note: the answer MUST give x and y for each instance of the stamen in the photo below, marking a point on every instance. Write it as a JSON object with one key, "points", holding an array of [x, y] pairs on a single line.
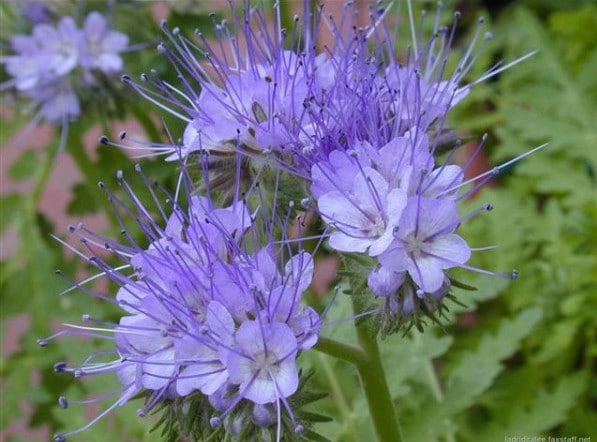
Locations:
{"points": [[495, 170], [487, 207]]}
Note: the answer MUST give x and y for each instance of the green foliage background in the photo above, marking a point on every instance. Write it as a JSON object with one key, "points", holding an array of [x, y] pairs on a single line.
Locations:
{"points": [[518, 360]]}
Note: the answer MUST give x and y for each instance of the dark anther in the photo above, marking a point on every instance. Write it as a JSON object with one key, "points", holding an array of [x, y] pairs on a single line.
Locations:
{"points": [[60, 367], [63, 402]]}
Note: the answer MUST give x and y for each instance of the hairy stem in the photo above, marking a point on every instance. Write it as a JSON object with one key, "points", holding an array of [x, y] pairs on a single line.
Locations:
{"points": [[339, 350], [375, 385]]}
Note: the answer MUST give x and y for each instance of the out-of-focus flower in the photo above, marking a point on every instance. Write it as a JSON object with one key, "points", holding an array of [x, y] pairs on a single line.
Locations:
{"points": [[35, 11], [100, 46], [55, 63]]}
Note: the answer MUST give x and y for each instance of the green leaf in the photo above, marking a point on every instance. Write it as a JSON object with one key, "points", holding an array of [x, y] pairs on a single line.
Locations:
{"points": [[547, 99], [410, 358], [476, 369], [579, 29], [83, 201], [10, 206], [472, 373], [25, 166], [547, 408]]}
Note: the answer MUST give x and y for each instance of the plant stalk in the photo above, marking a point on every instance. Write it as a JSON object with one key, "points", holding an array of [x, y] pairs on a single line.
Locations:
{"points": [[375, 385]]}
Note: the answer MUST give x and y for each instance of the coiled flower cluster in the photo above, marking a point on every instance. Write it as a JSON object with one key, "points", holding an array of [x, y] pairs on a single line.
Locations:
{"points": [[211, 305]]}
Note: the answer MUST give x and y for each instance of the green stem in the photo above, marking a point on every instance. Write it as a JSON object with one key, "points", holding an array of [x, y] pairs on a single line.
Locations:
{"points": [[90, 172], [375, 385], [367, 361], [30, 229], [434, 382], [439, 396], [339, 399], [436, 389], [44, 176], [339, 350]]}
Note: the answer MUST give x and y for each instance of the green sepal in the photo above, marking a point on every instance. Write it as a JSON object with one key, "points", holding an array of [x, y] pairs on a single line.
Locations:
{"points": [[316, 437], [315, 417], [462, 285], [187, 417]]}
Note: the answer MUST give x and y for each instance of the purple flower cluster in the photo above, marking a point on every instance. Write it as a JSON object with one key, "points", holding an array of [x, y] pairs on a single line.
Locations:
{"points": [[217, 319], [44, 62], [213, 302], [208, 309], [251, 93], [375, 179], [361, 126], [393, 203], [374, 176]]}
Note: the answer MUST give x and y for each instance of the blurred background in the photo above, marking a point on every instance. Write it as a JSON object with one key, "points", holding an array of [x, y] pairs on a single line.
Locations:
{"points": [[518, 358]]}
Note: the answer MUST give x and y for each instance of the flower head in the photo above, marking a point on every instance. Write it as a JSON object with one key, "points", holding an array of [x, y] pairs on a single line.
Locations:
{"points": [[206, 308], [212, 303], [247, 92], [53, 64], [425, 243], [101, 46], [362, 121], [373, 165]]}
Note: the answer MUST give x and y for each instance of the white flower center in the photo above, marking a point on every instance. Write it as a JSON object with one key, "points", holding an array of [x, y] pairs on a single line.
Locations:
{"points": [[414, 245]]}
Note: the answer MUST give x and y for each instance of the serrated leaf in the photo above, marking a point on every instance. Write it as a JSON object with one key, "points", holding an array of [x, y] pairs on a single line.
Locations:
{"points": [[476, 370], [545, 99], [470, 376], [408, 359], [549, 407]]}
